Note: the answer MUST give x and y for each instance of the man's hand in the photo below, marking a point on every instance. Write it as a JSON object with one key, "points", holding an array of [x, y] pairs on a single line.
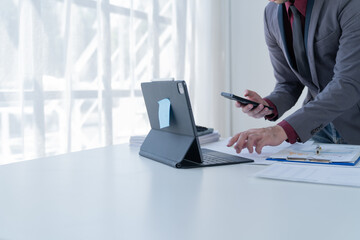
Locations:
{"points": [[258, 112], [258, 138]]}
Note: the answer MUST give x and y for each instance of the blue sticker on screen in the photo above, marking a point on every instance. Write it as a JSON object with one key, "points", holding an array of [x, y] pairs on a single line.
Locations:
{"points": [[164, 113]]}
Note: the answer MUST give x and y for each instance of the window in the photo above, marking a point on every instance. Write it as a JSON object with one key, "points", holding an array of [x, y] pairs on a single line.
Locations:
{"points": [[70, 72]]}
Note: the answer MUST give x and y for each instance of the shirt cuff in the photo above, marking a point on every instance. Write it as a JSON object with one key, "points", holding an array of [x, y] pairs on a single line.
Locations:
{"points": [[293, 137], [273, 116]]}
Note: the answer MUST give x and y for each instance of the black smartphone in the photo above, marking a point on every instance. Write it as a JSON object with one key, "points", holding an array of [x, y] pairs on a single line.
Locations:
{"points": [[242, 100]]}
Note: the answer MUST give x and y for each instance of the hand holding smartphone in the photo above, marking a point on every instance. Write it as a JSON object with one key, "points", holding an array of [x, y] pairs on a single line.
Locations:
{"points": [[242, 100]]}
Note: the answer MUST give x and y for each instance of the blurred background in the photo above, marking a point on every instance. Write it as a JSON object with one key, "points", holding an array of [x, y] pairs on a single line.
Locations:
{"points": [[70, 70]]}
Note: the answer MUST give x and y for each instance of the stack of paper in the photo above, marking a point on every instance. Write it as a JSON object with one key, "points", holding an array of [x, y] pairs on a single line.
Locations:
{"points": [[208, 138], [136, 141]]}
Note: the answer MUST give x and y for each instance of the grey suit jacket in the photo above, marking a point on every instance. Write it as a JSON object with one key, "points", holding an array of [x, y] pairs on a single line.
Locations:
{"points": [[332, 40]]}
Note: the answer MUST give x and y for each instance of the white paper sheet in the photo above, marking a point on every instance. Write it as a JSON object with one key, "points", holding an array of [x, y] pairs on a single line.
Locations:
{"points": [[344, 176]]}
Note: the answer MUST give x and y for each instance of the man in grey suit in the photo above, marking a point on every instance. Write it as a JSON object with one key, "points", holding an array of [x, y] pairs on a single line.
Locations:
{"points": [[313, 44]]}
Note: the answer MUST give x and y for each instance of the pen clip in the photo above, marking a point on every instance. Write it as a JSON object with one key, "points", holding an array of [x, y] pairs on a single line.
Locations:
{"points": [[317, 150]]}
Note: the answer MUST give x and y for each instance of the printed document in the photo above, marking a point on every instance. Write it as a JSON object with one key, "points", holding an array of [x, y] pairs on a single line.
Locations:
{"points": [[325, 174]]}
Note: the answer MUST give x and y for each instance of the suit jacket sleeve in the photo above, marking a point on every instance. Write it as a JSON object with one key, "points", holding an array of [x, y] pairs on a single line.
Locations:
{"points": [[288, 88]]}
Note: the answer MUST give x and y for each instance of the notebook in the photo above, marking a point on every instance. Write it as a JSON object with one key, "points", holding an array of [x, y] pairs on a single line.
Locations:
{"points": [[173, 138]]}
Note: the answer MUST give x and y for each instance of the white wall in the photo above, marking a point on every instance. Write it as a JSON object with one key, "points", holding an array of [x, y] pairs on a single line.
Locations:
{"points": [[212, 64], [250, 62]]}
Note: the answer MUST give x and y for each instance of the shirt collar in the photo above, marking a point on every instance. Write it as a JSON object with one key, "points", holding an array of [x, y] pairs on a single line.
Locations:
{"points": [[299, 4]]}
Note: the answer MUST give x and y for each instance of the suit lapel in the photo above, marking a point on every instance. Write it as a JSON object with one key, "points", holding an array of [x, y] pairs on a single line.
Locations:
{"points": [[309, 32], [309, 7], [312, 14]]}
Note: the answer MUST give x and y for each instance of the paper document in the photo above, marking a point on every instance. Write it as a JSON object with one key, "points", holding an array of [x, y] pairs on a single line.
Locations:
{"points": [[137, 140], [345, 176], [320, 153]]}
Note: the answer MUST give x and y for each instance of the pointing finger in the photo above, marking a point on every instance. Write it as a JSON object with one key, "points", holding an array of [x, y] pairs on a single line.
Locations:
{"points": [[233, 140]]}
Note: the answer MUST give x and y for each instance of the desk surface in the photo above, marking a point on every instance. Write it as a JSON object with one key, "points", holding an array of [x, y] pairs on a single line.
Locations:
{"points": [[113, 193]]}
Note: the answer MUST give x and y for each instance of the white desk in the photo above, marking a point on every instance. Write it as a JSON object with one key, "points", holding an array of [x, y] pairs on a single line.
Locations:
{"points": [[112, 193]]}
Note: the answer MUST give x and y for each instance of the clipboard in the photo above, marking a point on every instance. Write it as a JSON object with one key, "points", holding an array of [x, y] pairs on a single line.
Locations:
{"points": [[330, 154]]}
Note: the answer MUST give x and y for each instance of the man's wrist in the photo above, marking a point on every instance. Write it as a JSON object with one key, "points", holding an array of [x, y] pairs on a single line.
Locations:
{"points": [[274, 115], [281, 134], [292, 136]]}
